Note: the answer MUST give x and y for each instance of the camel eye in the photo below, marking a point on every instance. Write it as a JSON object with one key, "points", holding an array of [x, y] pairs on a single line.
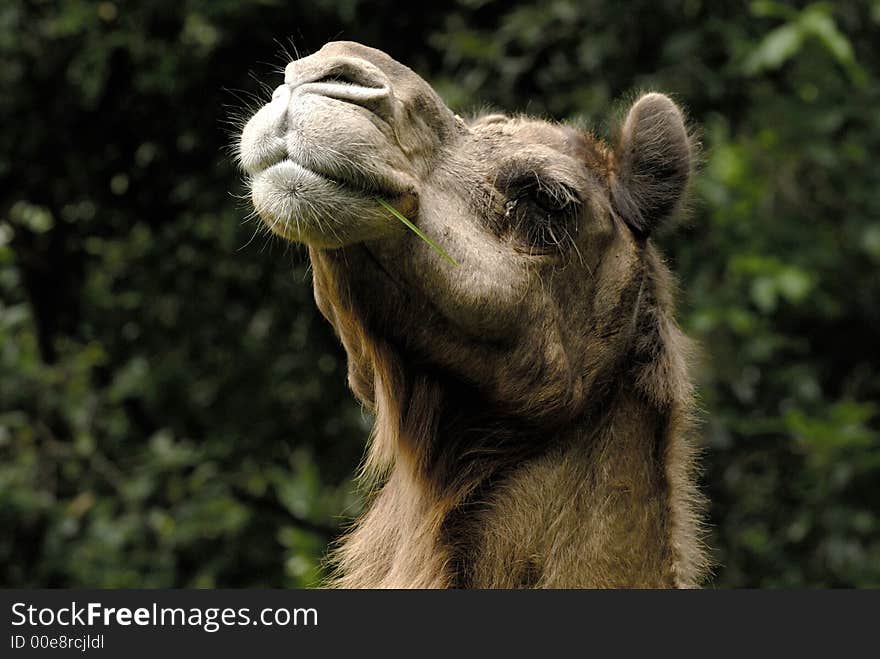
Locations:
{"points": [[540, 216], [547, 199]]}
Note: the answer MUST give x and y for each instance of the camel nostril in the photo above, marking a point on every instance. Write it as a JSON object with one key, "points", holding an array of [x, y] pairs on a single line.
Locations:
{"points": [[347, 79], [352, 72], [341, 79], [376, 99], [335, 78]]}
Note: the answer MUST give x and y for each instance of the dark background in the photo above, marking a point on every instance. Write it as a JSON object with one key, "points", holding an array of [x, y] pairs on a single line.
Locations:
{"points": [[173, 411]]}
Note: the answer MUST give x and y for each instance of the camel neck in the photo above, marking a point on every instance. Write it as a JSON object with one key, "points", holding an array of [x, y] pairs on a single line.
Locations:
{"points": [[592, 509], [607, 501]]}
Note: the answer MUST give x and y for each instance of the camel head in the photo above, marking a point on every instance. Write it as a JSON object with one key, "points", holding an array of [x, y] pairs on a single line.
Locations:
{"points": [[548, 225]]}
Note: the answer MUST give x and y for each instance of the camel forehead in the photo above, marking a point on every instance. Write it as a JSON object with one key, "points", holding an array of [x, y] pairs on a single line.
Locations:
{"points": [[560, 138]]}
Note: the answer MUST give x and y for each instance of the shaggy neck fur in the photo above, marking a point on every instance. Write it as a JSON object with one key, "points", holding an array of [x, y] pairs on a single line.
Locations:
{"points": [[464, 495]]}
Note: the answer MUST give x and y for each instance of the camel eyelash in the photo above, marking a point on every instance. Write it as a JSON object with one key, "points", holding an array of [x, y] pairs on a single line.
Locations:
{"points": [[552, 198], [539, 216]]}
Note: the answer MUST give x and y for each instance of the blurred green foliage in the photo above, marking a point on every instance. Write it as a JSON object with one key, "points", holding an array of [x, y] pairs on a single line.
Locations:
{"points": [[173, 411]]}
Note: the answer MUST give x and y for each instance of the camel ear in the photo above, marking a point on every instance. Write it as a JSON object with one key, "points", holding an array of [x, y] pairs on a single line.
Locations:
{"points": [[654, 163]]}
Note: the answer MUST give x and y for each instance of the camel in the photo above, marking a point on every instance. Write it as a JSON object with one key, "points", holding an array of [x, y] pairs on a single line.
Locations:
{"points": [[532, 405]]}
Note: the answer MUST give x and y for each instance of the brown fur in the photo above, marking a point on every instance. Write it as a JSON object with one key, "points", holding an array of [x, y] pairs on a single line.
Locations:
{"points": [[532, 406], [462, 496]]}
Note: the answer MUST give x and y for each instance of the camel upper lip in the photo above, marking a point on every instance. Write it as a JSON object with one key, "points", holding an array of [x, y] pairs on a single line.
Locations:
{"points": [[373, 194], [355, 186]]}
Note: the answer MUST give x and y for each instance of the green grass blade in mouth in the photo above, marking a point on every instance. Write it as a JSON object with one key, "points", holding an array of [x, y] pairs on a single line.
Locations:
{"points": [[412, 227]]}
